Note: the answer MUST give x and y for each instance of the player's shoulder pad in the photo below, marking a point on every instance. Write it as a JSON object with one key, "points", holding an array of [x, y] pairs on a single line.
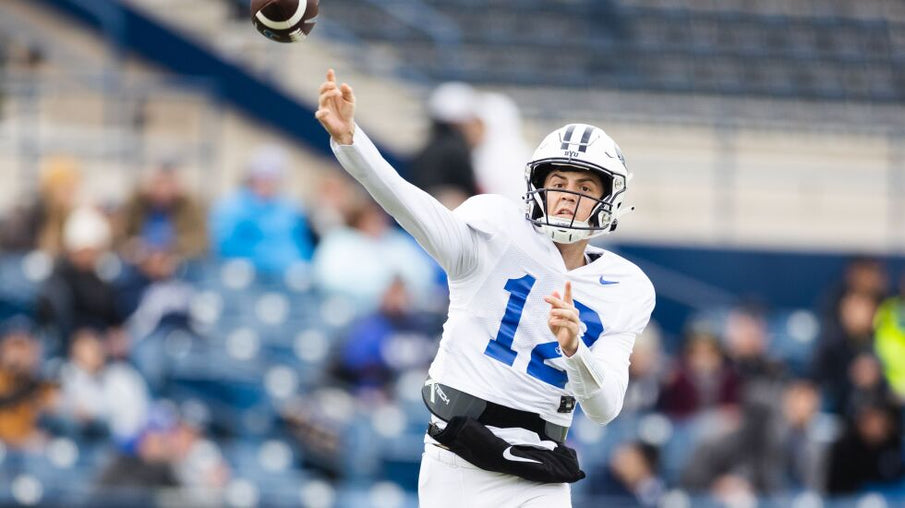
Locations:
{"points": [[490, 213]]}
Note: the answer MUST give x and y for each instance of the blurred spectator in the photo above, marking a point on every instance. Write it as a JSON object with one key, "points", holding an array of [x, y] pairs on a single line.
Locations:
{"points": [[170, 452], [361, 261], [747, 340], [733, 490], [801, 448], [866, 376], [890, 340], [161, 215], [157, 303], [336, 198], [740, 458], [39, 223], [443, 167], [632, 474], [19, 227], [23, 395], [74, 296], [869, 452], [863, 275], [702, 380], [320, 423], [258, 222], [841, 346], [102, 396], [396, 337], [150, 293], [150, 464], [772, 448], [499, 160], [198, 461], [646, 371], [60, 184]]}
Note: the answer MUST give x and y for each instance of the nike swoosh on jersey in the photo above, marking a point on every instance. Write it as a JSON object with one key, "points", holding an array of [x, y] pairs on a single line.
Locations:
{"points": [[608, 282], [507, 454]]}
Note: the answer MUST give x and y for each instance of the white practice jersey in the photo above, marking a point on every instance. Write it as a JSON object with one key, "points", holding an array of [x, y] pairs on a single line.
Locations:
{"points": [[496, 344]]}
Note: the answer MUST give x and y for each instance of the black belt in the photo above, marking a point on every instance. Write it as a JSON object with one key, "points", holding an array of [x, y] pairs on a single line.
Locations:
{"points": [[445, 403]]}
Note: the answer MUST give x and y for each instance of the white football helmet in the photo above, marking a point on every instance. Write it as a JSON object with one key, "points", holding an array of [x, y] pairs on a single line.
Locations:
{"points": [[577, 147]]}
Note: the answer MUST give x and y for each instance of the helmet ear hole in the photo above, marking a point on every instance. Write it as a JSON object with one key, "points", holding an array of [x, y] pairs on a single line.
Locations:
{"points": [[607, 184]]}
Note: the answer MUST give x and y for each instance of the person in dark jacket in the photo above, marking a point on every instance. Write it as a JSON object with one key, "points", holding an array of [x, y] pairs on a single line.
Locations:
{"points": [[844, 353], [444, 167], [868, 452], [75, 296]]}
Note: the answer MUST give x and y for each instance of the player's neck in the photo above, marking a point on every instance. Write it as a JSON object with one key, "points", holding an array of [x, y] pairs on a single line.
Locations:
{"points": [[573, 254]]}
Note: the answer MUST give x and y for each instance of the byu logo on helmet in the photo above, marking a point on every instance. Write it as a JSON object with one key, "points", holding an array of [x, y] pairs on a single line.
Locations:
{"points": [[581, 142]]}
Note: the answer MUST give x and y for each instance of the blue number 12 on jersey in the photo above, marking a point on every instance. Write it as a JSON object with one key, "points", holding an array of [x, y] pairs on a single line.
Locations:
{"points": [[500, 347]]}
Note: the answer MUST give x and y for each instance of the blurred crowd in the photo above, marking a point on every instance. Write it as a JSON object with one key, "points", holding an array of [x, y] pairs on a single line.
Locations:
{"points": [[80, 358]]}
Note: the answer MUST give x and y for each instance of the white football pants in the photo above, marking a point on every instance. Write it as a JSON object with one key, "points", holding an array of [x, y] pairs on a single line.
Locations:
{"points": [[449, 481]]}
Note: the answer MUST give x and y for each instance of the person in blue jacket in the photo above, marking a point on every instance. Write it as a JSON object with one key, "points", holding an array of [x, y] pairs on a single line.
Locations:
{"points": [[258, 222]]}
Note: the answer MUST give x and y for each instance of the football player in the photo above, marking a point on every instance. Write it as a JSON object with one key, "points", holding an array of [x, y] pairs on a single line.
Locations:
{"points": [[538, 318]]}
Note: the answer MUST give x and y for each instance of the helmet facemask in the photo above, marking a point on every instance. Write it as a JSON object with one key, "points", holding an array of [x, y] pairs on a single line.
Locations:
{"points": [[601, 218]]}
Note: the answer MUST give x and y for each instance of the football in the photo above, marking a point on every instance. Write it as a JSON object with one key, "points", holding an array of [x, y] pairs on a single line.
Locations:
{"points": [[284, 20]]}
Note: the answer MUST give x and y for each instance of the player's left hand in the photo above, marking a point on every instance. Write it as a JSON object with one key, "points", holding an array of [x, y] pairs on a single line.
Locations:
{"points": [[564, 321]]}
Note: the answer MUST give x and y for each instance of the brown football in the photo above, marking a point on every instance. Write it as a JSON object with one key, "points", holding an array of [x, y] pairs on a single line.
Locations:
{"points": [[284, 20]]}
